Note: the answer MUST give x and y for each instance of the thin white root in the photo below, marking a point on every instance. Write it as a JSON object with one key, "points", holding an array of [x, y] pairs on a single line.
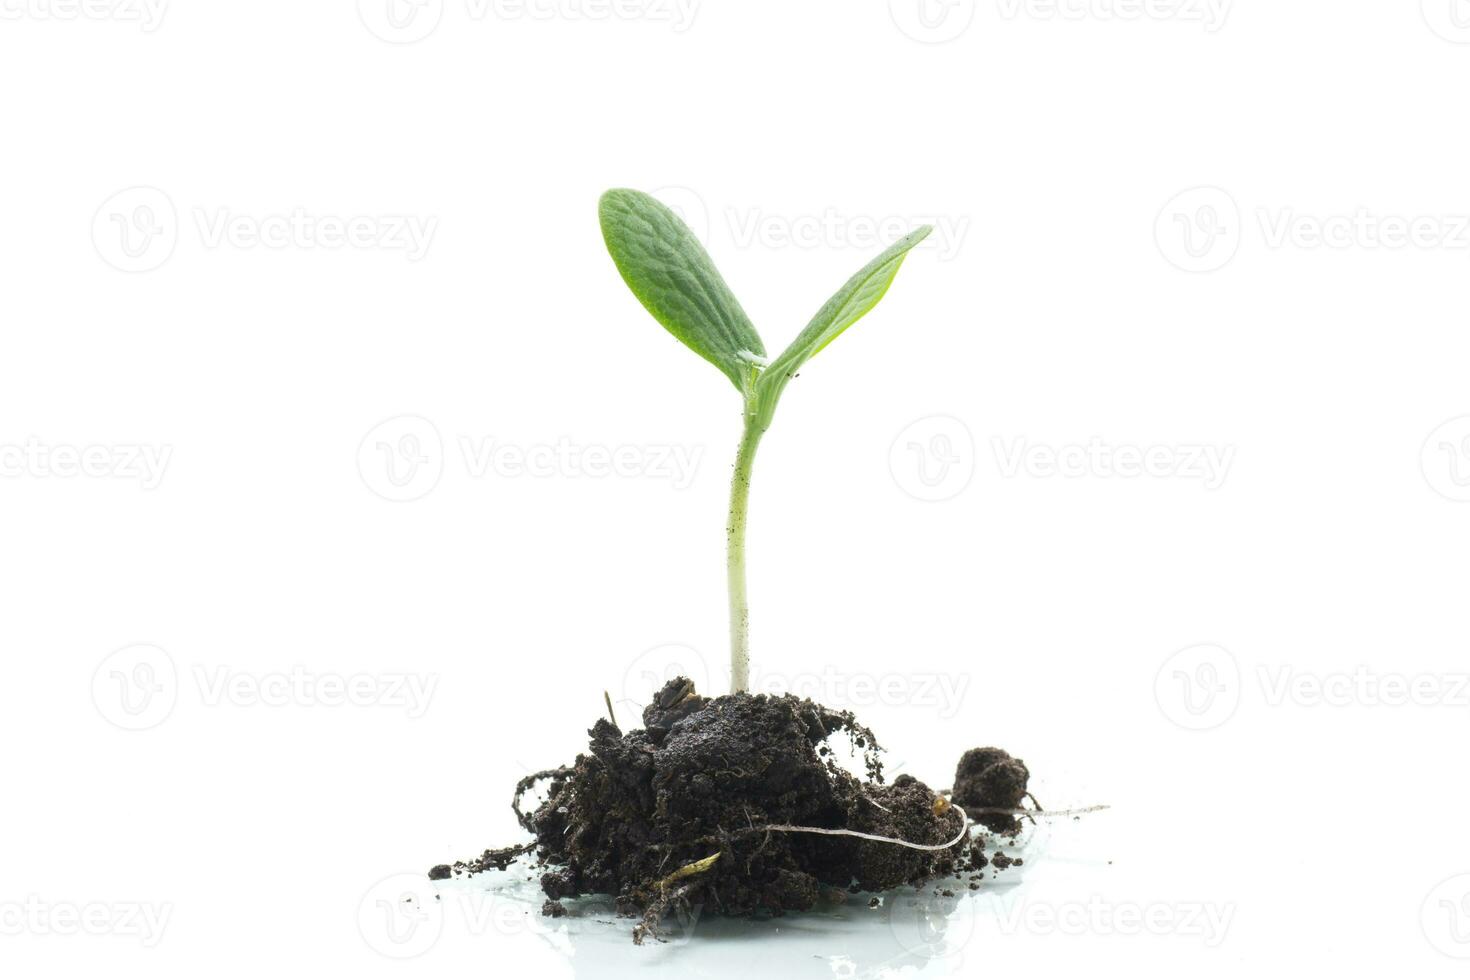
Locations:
{"points": [[964, 830], [876, 803], [1042, 813], [787, 828]]}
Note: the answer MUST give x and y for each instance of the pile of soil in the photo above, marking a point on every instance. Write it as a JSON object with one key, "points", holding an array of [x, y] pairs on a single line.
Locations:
{"points": [[686, 810]]}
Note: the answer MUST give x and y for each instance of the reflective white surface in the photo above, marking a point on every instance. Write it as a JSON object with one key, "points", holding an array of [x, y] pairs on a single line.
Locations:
{"points": [[940, 929]]}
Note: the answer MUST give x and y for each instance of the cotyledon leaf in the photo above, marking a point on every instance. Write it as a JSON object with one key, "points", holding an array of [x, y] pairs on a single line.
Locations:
{"points": [[674, 278], [847, 306]]}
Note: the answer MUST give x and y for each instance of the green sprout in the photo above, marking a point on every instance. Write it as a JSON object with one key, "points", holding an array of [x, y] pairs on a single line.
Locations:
{"points": [[674, 278]]}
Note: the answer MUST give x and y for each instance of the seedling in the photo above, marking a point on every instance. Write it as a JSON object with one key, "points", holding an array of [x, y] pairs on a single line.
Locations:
{"points": [[734, 803], [674, 278]]}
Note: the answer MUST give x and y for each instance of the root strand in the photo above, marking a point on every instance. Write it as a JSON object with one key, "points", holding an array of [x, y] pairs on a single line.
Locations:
{"points": [[831, 832]]}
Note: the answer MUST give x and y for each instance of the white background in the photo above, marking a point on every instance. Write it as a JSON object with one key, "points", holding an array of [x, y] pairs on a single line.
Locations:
{"points": [[1233, 229]]}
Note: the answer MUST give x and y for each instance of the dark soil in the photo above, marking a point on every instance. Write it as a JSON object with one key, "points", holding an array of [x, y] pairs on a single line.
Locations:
{"points": [[988, 783], [685, 811]]}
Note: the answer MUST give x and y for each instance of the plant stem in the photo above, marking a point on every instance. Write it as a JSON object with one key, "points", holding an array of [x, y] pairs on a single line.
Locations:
{"points": [[735, 556]]}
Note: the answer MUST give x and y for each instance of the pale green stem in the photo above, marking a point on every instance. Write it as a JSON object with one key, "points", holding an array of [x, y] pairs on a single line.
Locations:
{"points": [[735, 556]]}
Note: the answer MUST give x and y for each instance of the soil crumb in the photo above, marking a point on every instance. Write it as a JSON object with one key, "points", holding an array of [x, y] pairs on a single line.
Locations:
{"points": [[990, 779]]}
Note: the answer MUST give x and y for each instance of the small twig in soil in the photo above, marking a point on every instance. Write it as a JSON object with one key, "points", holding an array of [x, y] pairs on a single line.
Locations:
{"points": [[660, 905], [610, 716], [655, 912], [693, 868]]}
